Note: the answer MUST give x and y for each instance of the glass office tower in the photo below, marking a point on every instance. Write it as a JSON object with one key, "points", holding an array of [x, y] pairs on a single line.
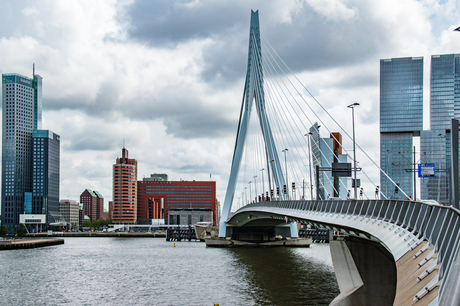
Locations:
{"points": [[436, 143], [401, 118], [45, 195], [18, 121]]}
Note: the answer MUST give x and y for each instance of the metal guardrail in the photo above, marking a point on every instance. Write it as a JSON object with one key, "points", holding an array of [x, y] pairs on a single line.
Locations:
{"points": [[438, 224]]}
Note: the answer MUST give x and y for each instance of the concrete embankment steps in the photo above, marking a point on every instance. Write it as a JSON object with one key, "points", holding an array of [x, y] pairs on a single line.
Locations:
{"points": [[415, 270]]}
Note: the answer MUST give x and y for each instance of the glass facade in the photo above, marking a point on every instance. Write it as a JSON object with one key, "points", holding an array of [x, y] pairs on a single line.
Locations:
{"points": [[17, 126], [401, 118], [395, 157], [316, 157], [401, 94], [445, 89], [45, 195], [434, 149]]}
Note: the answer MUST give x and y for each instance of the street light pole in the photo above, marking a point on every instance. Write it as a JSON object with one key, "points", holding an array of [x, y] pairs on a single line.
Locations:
{"points": [[250, 192], [352, 106], [285, 163], [263, 184], [255, 186], [309, 134]]}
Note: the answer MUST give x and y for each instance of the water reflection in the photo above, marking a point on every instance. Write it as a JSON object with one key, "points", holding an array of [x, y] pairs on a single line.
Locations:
{"points": [[286, 276]]}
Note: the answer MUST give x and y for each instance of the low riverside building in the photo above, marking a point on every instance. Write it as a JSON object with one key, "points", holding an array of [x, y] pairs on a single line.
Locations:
{"points": [[157, 198], [190, 216], [69, 210]]}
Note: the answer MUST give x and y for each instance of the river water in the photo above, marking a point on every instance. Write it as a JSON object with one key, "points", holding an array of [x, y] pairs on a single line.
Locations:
{"points": [[151, 271]]}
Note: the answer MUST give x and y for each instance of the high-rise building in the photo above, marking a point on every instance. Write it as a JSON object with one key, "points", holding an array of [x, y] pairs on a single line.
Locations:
{"points": [[401, 118], [156, 198], [21, 112], [436, 143], [124, 189], [45, 174], [93, 204]]}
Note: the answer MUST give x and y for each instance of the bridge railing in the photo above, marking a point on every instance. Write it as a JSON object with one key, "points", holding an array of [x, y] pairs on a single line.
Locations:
{"points": [[438, 224]]}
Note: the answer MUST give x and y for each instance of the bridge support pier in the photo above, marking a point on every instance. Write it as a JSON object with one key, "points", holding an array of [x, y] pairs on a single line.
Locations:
{"points": [[365, 271]]}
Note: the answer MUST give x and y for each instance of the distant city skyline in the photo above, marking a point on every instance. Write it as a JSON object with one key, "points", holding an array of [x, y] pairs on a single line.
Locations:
{"points": [[169, 76]]}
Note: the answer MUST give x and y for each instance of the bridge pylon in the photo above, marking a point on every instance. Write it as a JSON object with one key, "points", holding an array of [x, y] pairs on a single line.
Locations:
{"points": [[253, 94]]}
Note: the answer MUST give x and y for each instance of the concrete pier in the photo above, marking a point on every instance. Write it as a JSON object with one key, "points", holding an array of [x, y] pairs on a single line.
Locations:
{"points": [[15, 244]]}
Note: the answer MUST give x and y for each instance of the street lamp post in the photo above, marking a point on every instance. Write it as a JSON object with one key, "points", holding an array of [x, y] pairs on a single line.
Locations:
{"points": [[263, 184], [255, 186], [309, 134], [285, 163], [250, 192], [352, 106]]}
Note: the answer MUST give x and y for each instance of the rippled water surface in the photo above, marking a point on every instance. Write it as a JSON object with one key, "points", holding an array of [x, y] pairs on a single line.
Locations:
{"points": [[151, 271]]}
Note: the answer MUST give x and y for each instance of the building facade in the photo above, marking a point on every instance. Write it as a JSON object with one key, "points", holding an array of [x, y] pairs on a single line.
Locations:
{"points": [[70, 210], [401, 118], [21, 114], [45, 171], [156, 198], [93, 204], [124, 189]]}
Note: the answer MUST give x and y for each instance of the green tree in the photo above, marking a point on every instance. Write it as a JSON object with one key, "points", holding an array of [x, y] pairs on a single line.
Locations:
{"points": [[87, 223], [22, 230], [3, 230]]}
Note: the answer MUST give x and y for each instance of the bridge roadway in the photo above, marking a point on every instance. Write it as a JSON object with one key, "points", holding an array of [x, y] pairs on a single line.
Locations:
{"points": [[395, 253]]}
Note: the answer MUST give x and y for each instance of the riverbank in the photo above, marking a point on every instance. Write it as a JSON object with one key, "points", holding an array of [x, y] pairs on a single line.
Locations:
{"points": [[160, 234], [16, 244]]}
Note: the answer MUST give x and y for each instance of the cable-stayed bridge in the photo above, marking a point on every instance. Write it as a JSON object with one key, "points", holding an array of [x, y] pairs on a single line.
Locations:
{"points": [[284, 173]]}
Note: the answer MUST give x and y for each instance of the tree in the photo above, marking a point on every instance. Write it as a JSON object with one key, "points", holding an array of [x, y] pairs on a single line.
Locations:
{"points": [[22, 230], [3, 230]]}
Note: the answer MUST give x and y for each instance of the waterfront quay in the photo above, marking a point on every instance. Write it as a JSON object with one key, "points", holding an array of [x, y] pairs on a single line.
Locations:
{"points": [[15, 244], [156, 234]]}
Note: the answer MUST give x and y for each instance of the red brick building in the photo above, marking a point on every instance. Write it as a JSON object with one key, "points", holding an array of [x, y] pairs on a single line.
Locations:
{"points": [[155, 198], [124, 208], [93, 204]]}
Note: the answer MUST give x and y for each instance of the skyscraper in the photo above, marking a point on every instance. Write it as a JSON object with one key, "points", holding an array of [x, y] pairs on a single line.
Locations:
{"points": [[124, 189], [45, 188], [436, 143], [21, 105], [401, 118]]}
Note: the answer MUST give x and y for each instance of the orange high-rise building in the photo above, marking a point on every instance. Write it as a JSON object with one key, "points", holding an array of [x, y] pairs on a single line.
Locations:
{"points": [[124, 190]]}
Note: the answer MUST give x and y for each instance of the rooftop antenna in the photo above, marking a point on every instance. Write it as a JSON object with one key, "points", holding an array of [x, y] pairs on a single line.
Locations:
{"points": [[123, 142], [33, 69]]}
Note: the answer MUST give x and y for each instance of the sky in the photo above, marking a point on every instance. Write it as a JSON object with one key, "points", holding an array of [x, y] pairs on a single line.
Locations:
{"points": [[166, 78]]}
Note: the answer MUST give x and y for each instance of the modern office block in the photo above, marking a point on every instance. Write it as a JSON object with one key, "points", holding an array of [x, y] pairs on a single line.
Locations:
{"points": [[445, 90], [45, 169], [157, 198], [124, 189], [69, 210], [401, 118], [21, 114]]}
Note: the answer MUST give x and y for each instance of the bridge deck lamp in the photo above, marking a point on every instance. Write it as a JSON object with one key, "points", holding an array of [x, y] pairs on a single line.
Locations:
{"points": [[285, 162], [352, 106]]}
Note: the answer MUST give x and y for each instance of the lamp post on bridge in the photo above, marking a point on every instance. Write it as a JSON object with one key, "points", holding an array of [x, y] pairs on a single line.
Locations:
{"points": [[255, 186], [250, 192], [285, 162], [352, 106], [263, 185], [309, 134]]}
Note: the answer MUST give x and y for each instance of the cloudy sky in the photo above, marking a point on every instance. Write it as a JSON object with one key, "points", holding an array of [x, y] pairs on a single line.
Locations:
{"points": [[167, 77]]}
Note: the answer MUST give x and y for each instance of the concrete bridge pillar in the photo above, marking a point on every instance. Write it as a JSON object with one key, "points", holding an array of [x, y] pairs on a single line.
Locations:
{"points": [[365, 271]]}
